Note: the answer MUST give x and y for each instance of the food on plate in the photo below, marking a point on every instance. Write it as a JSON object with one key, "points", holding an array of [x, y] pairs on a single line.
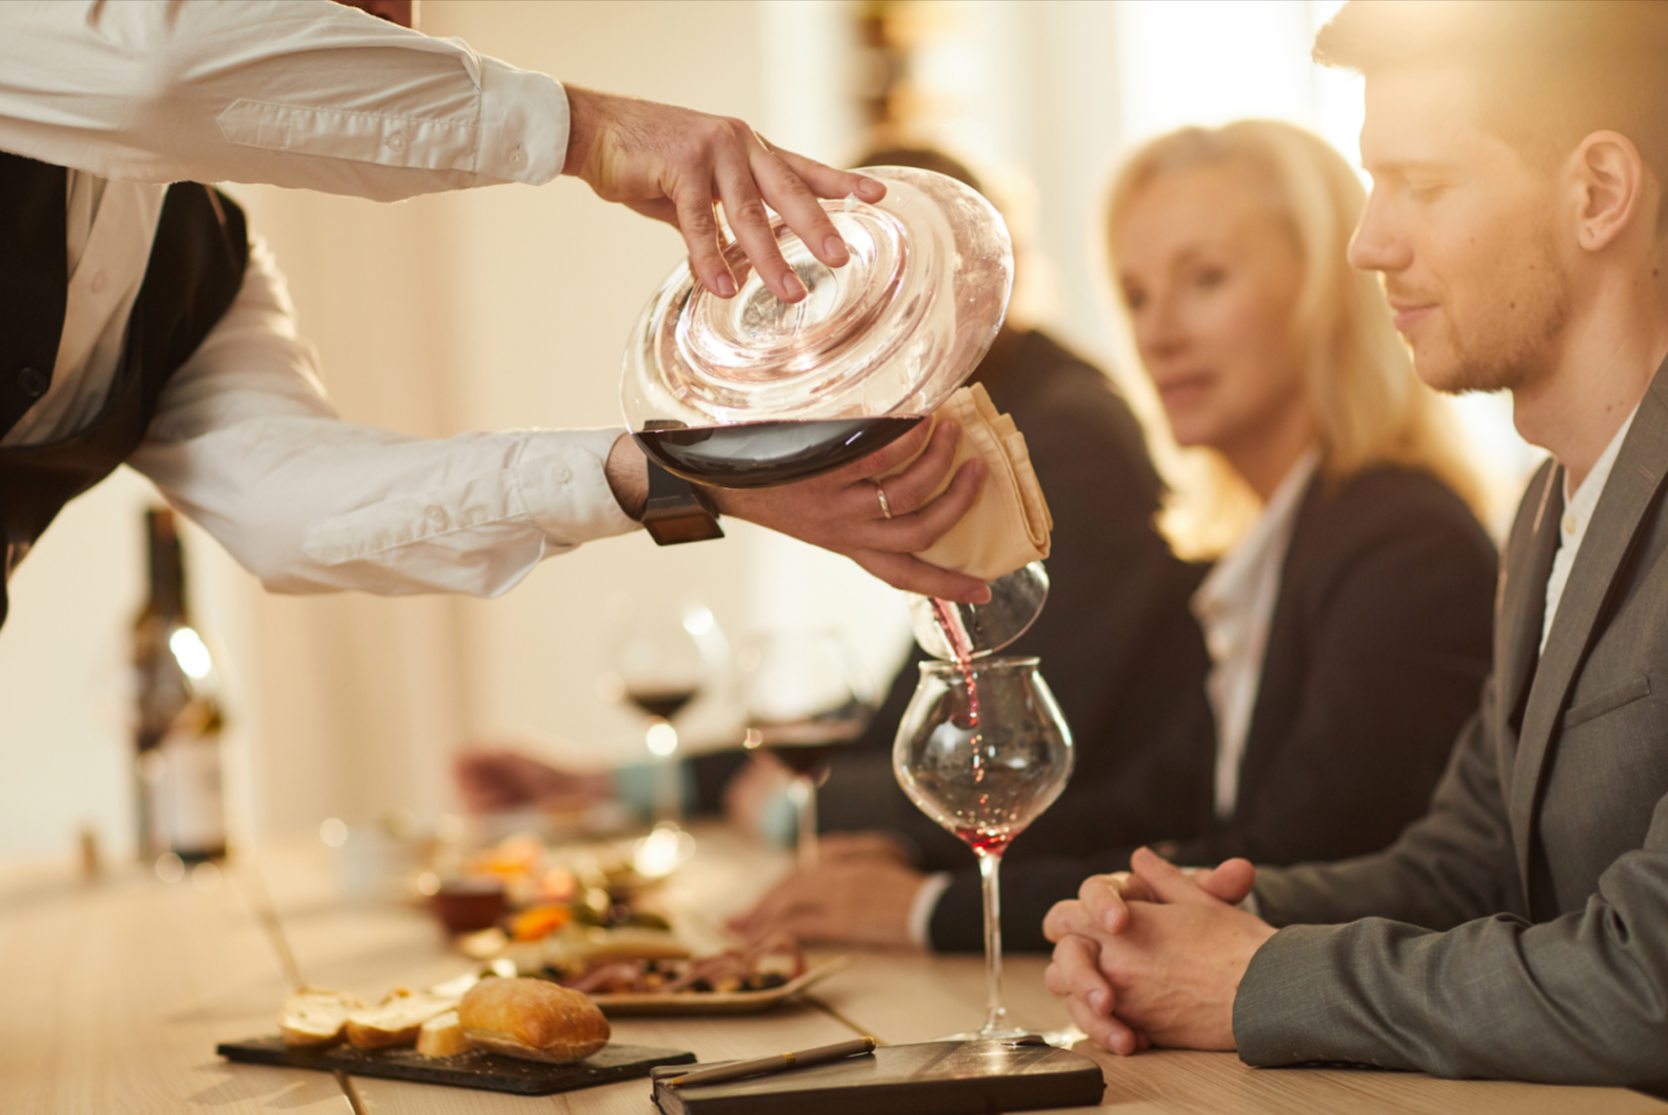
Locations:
{"points": [[529, 891], [539, 922], [396, 1020], [316, 1016], [575, 944], [532, 1019], [771, 964], [443, 1036]]}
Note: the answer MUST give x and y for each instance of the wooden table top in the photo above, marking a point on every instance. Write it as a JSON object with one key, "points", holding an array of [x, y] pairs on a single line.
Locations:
{"points": [[119, 988]]}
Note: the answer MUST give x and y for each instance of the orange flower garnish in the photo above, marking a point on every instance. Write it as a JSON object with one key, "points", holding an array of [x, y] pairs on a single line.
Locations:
{"points": [[539, 922]]}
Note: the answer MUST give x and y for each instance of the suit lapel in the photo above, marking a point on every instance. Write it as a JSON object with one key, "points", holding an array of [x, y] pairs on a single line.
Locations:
{"points": [[1628, 493], [1522, 596]]}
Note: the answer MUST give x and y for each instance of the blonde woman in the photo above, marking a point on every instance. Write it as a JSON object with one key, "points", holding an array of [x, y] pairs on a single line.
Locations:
{"points": [[1347, 620]]}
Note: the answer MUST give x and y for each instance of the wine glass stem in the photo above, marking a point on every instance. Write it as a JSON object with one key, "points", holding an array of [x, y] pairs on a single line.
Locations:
{"points": [[803, 791], [995, 1014], [668, 778]]}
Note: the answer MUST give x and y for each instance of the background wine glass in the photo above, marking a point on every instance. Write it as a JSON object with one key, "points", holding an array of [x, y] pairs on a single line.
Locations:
{"points": [[661, 656], [804, 695], [983, 750]]}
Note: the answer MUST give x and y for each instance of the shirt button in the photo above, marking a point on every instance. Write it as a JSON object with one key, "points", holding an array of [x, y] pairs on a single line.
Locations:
{"points": [[561, 473], [32, 383], [100, 281], [435, 514], [519, 159], [1571, 523], [396, 142]]}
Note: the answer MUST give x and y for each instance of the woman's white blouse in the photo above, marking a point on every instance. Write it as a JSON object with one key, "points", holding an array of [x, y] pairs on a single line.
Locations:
{"points": [[1235, 606]]}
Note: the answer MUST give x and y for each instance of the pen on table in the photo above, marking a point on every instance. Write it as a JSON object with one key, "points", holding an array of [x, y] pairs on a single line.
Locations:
{"points": [[780, 1062]]}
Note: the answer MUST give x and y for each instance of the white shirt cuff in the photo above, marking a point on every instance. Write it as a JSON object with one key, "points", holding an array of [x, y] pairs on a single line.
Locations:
{"points": [[926, 898], [564, 480], [524, 124]]}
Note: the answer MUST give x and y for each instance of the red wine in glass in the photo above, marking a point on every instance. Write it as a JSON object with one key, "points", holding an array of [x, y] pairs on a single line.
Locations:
{"points": [[664, 703], [807, 746], [761, 454], [986, 842]]}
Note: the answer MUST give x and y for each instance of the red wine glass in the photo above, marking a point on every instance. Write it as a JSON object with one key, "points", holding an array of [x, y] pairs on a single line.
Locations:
{"points": [[660, 656], [983, 750], [805, 695]]}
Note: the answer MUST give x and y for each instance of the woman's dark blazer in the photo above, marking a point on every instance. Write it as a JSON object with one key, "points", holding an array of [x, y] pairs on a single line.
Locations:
{"points": [[1377, 648]]}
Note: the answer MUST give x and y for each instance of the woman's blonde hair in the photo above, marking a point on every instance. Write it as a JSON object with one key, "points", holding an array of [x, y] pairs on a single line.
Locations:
{"points": [[1370, 406]]}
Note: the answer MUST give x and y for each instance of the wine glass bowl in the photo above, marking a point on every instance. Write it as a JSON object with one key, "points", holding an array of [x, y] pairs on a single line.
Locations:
{"points": [[659, 658], [983, 750]]}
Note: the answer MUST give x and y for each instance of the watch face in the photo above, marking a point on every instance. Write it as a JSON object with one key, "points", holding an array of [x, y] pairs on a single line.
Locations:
{"points": [[893, 332], [694, 528]]}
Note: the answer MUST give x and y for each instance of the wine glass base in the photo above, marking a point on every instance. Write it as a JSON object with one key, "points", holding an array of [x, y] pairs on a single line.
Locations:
{"points": [[662, 851]]}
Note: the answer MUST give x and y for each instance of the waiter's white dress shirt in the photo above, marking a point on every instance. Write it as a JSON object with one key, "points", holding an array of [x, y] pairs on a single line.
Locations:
{"points": [[311, 94]]}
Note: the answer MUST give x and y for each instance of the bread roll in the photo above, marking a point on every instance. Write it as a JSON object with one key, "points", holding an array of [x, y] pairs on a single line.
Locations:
{"points": [[532, 1019]]}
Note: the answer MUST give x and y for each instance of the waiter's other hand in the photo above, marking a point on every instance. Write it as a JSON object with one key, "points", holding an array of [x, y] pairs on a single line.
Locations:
{"points": [[842, 511], [673, 163]]}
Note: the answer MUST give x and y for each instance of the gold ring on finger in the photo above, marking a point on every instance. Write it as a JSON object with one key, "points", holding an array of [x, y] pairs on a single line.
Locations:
{"points": [[885, 505]]}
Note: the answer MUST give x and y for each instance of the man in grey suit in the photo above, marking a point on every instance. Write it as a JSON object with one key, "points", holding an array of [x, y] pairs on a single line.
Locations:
{"points": [[1519, 154]]}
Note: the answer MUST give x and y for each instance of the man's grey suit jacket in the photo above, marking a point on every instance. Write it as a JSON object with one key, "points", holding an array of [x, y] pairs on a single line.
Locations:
{"points": [[1519, 929]]}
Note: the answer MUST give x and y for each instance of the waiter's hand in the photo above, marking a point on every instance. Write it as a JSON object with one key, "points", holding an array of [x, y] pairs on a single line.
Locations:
{"points": [[841, 510], [673, 163]]}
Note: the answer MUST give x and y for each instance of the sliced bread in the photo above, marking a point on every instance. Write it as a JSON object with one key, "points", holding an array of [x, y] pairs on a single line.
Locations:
{"points": [[396, 1020], [316, 1016]]}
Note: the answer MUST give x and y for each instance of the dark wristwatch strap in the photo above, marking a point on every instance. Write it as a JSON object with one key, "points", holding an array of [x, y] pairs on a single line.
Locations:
{"points": [[678, 511]]}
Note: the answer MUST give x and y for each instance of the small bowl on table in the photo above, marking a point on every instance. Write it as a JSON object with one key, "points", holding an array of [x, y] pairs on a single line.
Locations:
{"points": [[467, 905]]}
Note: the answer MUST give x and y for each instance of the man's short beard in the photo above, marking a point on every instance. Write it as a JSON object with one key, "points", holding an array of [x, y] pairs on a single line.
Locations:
{"points": [[1514, 348]]}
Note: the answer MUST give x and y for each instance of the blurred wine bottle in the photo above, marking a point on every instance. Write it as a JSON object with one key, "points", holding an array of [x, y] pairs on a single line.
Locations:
{"points": [[178, 722]]}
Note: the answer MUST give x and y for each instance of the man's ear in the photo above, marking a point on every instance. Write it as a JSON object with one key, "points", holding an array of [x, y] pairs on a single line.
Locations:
{"points": [[1610, 183]]}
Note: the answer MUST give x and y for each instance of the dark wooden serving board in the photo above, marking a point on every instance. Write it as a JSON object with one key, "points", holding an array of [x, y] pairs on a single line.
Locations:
{"points": [[476, 1069]]}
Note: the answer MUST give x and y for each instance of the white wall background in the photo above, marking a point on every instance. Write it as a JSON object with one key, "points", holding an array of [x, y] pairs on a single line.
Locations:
{"points": [[509, 307]]}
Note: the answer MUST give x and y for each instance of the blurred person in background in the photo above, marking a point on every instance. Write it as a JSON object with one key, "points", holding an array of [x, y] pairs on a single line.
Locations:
{"points": [[164, 337], [1358, 573], [1519, 929]]}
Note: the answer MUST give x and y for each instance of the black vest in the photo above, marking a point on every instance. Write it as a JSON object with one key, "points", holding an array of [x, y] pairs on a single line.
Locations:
{"points": [[193, 275]]}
